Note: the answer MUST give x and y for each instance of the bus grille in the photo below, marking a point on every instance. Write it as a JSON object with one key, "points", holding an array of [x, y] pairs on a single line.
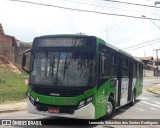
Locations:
{"points": [[63, 92]]}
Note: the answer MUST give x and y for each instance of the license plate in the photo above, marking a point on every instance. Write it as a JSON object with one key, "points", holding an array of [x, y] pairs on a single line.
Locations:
{"points": [[53, 110]]}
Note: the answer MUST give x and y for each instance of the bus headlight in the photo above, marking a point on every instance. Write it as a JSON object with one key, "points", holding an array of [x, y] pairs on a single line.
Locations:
{"points": [[89, 99], [85, 102], [81, 104]]}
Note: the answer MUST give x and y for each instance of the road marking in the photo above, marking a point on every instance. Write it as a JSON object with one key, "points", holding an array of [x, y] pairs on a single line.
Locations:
{"points": [[139, 109], [154, 109], [151, 104], [157, 103], [143, 98], [141, 104]]}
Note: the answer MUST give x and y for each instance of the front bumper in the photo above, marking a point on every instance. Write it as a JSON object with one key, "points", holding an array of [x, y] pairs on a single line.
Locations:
{"points": [[86, 112]]}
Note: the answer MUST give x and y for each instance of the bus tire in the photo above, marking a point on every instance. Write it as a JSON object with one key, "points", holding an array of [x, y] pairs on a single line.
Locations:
{"points": [[110, 108], [133, 99]]}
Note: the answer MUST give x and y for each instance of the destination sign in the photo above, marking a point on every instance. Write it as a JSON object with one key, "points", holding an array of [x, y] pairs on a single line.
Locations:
{"points": [[58, 42], [62, 42]]}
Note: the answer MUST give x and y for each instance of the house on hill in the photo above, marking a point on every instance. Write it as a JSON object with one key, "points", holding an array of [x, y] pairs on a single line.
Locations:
{"points": [[8, 45], [11, 47], [150, 68]]}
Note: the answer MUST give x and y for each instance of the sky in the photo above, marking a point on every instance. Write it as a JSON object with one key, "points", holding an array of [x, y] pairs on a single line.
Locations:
{"points": [[26, 21]]}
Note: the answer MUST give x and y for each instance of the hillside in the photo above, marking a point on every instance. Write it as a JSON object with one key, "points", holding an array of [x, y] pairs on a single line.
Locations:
{"points": [[12, 85]]}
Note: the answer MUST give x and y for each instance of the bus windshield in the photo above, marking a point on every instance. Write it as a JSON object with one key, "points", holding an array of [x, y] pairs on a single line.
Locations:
{"points": [[63, 69]]}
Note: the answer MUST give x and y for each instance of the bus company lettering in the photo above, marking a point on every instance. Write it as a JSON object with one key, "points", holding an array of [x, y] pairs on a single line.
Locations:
{"points": [[54, 94]]}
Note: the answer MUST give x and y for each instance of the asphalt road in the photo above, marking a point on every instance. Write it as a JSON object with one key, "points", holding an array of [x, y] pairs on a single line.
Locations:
{"points": [[147, 107]]}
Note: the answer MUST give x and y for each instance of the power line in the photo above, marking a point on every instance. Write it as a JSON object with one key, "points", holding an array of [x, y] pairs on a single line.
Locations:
{"points": [[81, 10], [144, 5], [142, 46], [91, 4], [151, 21], [130, 47], [105, 28]]}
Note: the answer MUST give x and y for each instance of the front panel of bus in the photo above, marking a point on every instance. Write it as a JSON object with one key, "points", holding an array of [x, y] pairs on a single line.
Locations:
{"points": [[62, 81]]}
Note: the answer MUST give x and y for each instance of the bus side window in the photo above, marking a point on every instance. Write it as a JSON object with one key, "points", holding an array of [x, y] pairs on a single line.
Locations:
{"points": [[125, 67], [105, 66], [113, 65], [135, 70], [138, 67], [141, 70]]}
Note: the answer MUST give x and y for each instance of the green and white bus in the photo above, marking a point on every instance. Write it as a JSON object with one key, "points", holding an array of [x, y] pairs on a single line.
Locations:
{"points": [[79, 76]]}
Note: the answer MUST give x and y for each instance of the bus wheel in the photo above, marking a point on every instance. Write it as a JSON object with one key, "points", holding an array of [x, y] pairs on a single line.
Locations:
{"points": [[133, 99], [110, 108]]}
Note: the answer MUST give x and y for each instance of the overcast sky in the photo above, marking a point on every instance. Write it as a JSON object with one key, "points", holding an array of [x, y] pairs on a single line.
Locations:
{"points": [[26, 21]]}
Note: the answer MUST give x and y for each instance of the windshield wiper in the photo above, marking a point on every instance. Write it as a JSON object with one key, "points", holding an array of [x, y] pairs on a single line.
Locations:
{"points": [[64, 71], [66, 66], [57, 71], [50, 60], [51, 63]]}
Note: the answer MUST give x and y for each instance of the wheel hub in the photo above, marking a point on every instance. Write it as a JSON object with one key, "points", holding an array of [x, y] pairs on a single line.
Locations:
{"points": [[109, 107]]}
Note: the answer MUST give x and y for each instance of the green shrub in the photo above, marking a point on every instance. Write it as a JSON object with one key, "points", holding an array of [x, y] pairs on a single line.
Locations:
{"points": [[12, 85]]}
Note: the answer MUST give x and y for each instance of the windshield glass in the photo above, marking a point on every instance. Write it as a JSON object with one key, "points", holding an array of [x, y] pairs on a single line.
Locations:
{"points": [[63, 69]]}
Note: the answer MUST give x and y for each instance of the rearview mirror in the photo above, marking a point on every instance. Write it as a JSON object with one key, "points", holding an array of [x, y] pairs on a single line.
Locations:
{"points": [[24, 59]]}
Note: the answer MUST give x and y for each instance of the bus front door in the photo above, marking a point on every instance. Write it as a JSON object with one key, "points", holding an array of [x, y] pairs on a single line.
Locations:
{"points": [[119, 77]]}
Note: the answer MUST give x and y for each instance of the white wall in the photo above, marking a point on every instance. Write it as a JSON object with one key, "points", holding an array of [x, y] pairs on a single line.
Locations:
{"points": [[148, 73]]}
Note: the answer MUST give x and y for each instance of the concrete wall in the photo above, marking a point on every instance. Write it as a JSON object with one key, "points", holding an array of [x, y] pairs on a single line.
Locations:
{"points": [[12, 48], [21, 49], [14, 53], [148, 73], [6, 47]]}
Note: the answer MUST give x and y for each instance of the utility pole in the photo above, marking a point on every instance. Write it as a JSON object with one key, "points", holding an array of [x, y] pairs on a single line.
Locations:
{"points": [[157, 2], [157, 59]]}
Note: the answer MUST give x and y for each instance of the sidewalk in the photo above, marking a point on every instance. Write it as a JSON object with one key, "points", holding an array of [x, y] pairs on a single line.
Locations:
{"points": [[4, 108]]}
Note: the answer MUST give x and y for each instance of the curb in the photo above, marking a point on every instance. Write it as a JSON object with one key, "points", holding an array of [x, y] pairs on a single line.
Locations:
{"points": [[152, 90], [9, 111], [150, 77], [12, 107]]}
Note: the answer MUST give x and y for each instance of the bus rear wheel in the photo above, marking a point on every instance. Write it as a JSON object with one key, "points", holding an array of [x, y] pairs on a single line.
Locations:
{"points": [[110, 108]]}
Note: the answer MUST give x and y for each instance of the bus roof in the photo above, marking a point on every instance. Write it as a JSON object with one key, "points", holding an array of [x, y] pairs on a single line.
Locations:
{"points": [[101, 41], [55, 35]]}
